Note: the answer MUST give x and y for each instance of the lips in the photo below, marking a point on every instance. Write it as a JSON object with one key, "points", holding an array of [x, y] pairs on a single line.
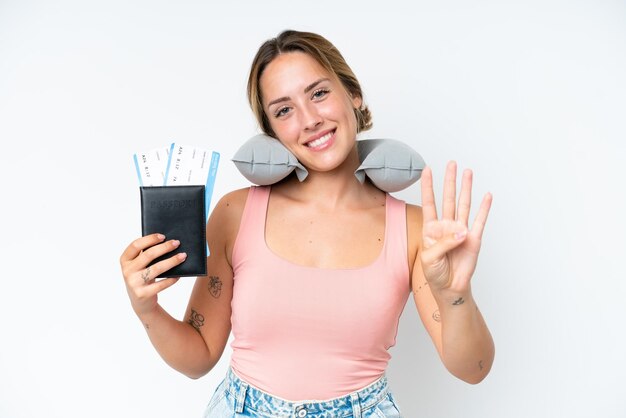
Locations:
{"points": [[320, 142]]}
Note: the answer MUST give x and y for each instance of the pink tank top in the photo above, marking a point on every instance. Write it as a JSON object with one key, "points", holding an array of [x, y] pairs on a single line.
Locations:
{"points": [[306, 333]]}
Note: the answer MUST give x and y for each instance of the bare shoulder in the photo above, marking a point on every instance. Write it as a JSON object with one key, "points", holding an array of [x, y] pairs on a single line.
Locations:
{"points": [[231, 203], [414, 231], [223, 224], [414, 216]]}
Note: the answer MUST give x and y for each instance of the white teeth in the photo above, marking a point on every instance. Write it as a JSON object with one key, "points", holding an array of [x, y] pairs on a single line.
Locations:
{"points": [[320, 141]]}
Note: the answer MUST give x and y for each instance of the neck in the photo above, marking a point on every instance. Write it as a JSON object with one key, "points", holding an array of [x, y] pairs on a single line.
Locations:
{"points": [[330, 189]]}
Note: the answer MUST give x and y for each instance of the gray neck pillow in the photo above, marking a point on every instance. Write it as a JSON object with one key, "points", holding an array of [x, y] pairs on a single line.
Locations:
{"points": [[390, 165]]}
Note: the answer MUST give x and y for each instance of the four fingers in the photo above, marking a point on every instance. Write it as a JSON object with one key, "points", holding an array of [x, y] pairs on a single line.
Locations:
{"points": [[141, 252], [450, 210]]}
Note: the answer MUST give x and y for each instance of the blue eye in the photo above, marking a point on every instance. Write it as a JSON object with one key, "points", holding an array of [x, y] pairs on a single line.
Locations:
{"points": [[319, 93], [281, 112]]}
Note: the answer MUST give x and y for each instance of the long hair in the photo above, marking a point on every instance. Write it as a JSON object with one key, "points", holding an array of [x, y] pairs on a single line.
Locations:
{"points": [[320, 49]]}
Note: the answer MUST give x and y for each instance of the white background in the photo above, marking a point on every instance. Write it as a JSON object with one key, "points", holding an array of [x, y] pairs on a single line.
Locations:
{"points": [[530, 94]]}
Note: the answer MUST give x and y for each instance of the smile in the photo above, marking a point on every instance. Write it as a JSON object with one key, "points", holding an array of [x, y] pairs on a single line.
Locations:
{"points": [[321, 141]]}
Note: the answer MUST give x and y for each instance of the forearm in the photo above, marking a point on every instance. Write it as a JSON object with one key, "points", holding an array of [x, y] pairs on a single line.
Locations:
{"points": [[467, 346], [178, 343]]}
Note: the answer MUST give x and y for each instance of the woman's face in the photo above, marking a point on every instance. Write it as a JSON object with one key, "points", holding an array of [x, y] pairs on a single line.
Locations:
{"points": [[309, 110]]}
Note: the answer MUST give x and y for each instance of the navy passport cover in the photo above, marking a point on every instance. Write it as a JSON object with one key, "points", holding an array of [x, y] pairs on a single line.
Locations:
{"points": [[178, 213]]}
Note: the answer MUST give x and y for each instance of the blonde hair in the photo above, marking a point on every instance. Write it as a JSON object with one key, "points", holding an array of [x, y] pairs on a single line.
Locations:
{"points": [[320, 49]]}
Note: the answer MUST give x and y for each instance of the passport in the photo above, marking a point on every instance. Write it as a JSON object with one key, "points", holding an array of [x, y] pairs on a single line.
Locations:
{"points": [[178, 212]]}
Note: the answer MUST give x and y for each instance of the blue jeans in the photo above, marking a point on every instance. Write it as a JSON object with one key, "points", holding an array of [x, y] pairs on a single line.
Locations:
{"points": [[236, 398]]}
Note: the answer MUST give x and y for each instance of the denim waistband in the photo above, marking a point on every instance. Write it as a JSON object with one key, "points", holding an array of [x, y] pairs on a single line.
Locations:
{"points": [[248, 397]]}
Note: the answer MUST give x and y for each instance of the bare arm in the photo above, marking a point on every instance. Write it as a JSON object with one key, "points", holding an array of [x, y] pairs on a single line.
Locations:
{"points": [[457, 329], [447, 253], [194, 345]]}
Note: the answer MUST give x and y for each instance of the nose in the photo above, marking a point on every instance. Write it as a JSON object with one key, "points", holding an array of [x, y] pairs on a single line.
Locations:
{"points": [[311, 118]]}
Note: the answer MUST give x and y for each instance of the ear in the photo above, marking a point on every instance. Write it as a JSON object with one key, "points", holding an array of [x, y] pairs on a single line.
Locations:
{"points": [[357, 101]]}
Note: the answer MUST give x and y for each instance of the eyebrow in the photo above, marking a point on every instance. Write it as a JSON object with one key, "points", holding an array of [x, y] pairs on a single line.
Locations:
{"points": [[306, 90]]}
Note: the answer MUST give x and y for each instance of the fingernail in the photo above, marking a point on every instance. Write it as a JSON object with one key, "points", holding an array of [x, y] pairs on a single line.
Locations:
{"points": [[161, 236], [182, 256], [176, 243], [460, 235]]}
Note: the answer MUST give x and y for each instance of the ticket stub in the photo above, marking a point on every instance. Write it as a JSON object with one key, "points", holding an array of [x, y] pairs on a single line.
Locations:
{"points": [[189, 165], [179, 165], [152, 166]]}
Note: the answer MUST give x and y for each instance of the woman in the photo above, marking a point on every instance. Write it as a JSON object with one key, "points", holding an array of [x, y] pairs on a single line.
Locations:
{"points": [[312, 276]]}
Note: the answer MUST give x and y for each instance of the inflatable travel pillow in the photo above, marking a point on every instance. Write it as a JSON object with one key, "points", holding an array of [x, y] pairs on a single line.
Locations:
{"points": [[390, 164]]}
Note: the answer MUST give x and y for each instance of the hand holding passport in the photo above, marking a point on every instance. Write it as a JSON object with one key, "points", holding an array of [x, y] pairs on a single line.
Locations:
{"points": [[176, 184]]}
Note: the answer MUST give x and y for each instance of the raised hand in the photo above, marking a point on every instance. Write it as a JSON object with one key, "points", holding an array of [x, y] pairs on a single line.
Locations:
{"points": [[140, 279], [450, 248]]}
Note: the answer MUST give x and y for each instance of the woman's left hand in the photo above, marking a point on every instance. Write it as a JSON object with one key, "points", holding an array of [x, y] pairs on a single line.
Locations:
{"points": [[449, 247]]}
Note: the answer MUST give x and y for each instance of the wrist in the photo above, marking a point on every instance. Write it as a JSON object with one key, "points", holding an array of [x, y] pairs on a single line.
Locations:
{"points": [[148, 315], [450, 298]]}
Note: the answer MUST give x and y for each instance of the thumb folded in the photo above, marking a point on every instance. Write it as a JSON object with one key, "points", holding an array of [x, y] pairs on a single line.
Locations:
{"points": [[439, 248]]}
